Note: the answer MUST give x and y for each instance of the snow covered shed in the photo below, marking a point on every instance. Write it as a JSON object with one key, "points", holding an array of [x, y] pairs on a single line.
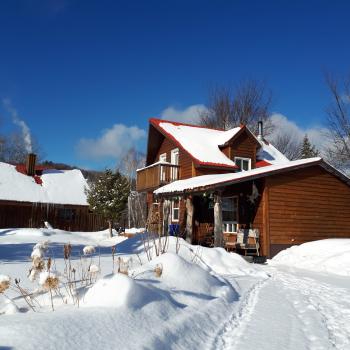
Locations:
{"points": [[31, 194], [217, 181]]}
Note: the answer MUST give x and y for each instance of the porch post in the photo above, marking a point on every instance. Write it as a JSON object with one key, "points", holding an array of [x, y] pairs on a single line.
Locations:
{"points": [[189, 219], [166, 216], [218, 236]]}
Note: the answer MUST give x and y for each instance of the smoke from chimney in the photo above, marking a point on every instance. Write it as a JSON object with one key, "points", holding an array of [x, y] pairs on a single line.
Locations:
{"points": [[21, 123]]}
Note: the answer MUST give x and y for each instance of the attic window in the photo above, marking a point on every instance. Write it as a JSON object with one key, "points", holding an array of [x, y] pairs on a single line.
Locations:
{"points": [[243, 164]]}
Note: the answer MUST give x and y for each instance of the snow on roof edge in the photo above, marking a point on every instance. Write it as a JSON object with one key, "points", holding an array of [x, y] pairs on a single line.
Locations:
{"points": [[203, 181]]}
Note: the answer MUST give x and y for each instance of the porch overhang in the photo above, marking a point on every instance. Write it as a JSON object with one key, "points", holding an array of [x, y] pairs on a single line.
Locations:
{"points": [[215, 182]]}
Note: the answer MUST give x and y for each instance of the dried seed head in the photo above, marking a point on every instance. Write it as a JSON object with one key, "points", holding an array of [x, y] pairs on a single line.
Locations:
{"points": [[67, 250], [94, 269], [158, 270], [89, 249], [49, 280], [49, 262], [38, 264], [4, 283]]}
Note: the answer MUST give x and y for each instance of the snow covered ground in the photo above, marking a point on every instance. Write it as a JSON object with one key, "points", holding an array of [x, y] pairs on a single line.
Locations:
{"points": [[188, 298]]}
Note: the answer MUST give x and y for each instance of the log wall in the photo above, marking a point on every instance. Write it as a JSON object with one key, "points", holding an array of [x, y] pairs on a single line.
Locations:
{"points": [[26, 214]]}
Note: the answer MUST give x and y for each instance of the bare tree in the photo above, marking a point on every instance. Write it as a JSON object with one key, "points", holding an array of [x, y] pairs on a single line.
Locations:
{"points": [[338, 118], [137, 206], [13, 149], [131, 161], [247, 103], [288, 144]]}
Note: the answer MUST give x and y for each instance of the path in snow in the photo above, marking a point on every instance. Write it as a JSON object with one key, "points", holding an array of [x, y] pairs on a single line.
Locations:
{"points": [[290, 310]]}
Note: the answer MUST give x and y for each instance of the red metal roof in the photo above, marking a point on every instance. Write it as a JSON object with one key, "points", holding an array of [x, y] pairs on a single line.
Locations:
{"points": [[262, 163]]}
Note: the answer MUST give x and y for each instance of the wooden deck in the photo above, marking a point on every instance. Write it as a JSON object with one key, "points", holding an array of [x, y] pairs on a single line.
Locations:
{"points": [[156, 176]]}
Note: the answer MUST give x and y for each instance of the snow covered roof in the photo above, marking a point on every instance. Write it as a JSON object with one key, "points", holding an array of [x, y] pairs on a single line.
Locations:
{"points": [[271, 154], [204, 144], [58, 186], [217, 180]]}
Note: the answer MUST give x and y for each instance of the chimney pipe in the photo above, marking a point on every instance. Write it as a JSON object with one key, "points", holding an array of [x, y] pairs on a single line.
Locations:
{"points": [[260, 131], [30, 164]]}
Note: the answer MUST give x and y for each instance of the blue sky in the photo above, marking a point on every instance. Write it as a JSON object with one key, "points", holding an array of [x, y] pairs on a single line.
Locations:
{"points": [[73, 70]]}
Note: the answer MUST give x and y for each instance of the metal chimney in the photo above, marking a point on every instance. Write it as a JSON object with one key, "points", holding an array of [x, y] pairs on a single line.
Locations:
{"points": [[260, 131], [30, 164]]}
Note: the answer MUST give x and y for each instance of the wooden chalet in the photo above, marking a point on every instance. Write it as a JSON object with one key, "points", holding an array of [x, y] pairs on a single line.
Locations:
{"points": [[32, 194], [207, 183]]}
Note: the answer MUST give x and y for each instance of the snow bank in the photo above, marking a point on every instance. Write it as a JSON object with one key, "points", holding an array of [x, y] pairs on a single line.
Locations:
{"points": [[34, 235], [118, 290], [134, 230], [224, 263], [177, 273], [328, 255]]}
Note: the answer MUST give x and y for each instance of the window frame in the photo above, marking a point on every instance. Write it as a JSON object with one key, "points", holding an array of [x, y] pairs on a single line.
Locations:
{"points": [[244, 159], [174, 172], [173, 209], [162, 158], [231, 226]]}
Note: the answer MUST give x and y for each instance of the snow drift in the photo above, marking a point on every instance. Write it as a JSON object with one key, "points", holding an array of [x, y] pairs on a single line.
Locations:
{"points": [[328, 255]]}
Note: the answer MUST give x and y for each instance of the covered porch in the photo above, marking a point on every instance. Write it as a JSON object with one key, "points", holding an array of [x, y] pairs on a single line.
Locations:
{"points": [[228, 216]]}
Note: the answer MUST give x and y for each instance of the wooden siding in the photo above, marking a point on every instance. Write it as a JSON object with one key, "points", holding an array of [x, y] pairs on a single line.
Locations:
{"points": [[244, 146], [26, 214], [306, 205]]}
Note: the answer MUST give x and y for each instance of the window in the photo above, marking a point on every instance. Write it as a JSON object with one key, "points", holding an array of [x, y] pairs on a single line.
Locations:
{"points": [[66, 214], [174, 160], [162, 158], [229, 214], [243, 164], [175, 210]]}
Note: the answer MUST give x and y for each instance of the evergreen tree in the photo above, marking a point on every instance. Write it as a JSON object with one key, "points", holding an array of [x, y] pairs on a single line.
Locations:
{"points": [[108, 196], [307, 150]]}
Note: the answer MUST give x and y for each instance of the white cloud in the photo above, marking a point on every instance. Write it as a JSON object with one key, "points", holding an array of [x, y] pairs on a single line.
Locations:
{"points": [[316, 135], [188, 115], [113, 142]]}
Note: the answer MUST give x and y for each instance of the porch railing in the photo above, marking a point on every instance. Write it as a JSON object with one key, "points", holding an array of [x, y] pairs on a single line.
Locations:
{"points": [[156, 175]]}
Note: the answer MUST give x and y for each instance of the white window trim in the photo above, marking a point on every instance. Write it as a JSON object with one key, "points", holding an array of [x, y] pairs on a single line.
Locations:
{"points": [[162, 158], [226, 224], [174, 152], [242, 158], [172, 211], [174, 172]]}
